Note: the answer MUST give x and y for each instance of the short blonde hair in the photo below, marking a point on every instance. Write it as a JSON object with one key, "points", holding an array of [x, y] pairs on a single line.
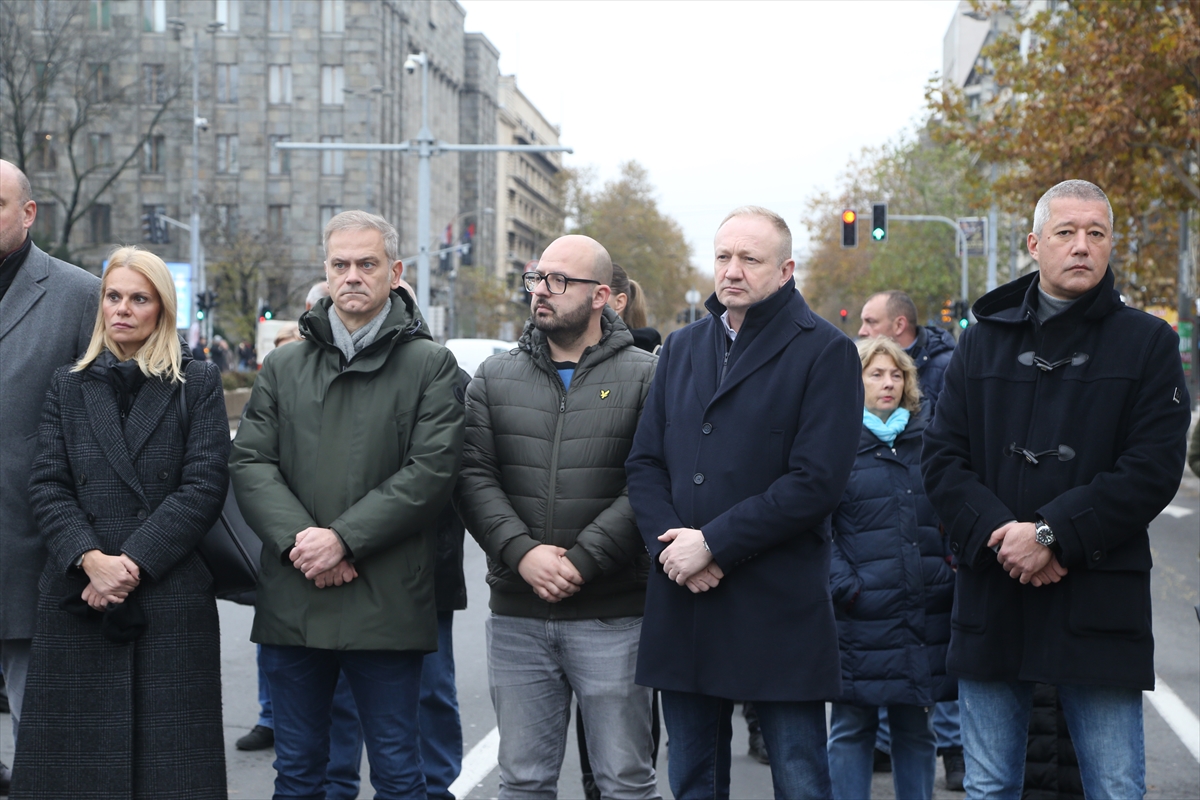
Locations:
{"points": [[883, 346], [159, 356]]}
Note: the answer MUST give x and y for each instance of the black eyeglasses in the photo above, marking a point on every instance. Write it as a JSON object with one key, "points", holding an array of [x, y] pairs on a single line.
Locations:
{"points": [[556, 282]]}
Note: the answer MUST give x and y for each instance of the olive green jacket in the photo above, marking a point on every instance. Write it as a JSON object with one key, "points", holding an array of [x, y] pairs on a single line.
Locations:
{"points": [[371, 449]]}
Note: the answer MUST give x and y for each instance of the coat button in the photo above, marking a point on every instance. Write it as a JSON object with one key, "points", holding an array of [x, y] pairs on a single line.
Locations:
{"points": [[954, 546], [1096, 556], [141, 514], [698, 478], [91, 518], [707, 428], [162, 475], [82, 479]]}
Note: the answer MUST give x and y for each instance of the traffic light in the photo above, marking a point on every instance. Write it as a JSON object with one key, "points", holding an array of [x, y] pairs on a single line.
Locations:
{"points": [[265, 313], [879, 222], [961, 311], [844, 313], [849, 228], [205, 302], [948, 309]]}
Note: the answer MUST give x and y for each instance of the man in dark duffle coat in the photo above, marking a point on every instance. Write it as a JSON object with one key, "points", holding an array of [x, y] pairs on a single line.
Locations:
{"points": [[47, 311], [1058, 438], [744, 448]]}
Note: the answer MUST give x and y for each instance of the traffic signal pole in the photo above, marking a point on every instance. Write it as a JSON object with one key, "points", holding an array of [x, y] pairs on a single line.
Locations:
{"points": [[959, 233]]}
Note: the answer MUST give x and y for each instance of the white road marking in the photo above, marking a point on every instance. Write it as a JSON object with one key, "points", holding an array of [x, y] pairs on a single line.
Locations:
{"points": [[1178, 512], [1177, 715], [479, 763]]}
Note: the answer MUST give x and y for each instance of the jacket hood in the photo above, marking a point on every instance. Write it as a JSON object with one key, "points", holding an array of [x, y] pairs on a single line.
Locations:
{"points": [[934, 341], [404, 320], [1015, 302], [614, 336]]}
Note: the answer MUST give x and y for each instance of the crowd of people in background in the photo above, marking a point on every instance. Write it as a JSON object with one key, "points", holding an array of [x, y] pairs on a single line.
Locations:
{"points": [[757, 510]]}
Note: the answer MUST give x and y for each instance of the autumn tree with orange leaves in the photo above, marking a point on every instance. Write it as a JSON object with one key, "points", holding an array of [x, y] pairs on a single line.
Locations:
{"points": [[1104, 91]]}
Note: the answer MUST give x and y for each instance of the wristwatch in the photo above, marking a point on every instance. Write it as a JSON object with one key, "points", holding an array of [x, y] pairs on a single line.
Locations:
{"points": [[1043, 534]]}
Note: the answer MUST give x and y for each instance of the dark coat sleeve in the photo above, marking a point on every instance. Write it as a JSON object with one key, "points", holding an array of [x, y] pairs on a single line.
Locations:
{"points": [[63, 524], [176, 526], [969, 510], [1094, 518], [822, 454], [649, 483], [482, 503]]}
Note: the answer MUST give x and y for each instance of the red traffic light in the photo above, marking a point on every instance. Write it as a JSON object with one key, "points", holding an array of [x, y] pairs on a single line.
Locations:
{"points": [[844, 314], [848, 216]]}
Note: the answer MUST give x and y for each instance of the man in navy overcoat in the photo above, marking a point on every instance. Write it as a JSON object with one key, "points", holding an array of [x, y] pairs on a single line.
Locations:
{"points": [[743, 451]]}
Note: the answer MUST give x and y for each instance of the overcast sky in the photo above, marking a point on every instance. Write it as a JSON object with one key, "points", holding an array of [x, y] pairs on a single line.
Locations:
{"points": [[725, 103]]}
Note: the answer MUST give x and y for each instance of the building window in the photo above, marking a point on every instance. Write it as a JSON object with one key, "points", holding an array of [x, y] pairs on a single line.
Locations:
{"points": [[100, 222], [100, 14], [42, 17], [227, 12], [45, 224], [154, 83], [327, 213], [41, 72], [154, 230], [44, 158], [227, 153], [227, 221], [277, 220], [99, 83], [154, 153], [333, 162], [154, 16], [99, 150], [333, 16], [279, 162], [279, 15], [333, 80], [227, 80], [279, 84]]}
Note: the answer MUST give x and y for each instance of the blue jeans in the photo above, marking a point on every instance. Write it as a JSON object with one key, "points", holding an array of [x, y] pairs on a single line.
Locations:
{"points": [[1105, 723], [534, 666], [386, 689], [441, 728], [852, 742], [345, 736], [947, 727], [699, 728]]}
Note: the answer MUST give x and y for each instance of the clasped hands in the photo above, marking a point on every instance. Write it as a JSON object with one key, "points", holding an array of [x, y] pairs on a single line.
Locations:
{"points": [[551, 574], [319, 554], [1023, 558], [687, 561], [110, 578]]}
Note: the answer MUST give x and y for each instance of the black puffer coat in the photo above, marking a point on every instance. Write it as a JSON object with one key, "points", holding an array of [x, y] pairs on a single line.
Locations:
{"points": [[932, 353], [890, 578], [1051, 766], [546, 465], [1096, 397]]}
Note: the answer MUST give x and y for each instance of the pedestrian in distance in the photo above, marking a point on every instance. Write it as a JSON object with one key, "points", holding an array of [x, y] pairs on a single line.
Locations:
{"points": [[543, 491], [736, 516], [123, 697], [47, 312], [892, 589], [347, 452], [893, 314], [1058, 438]]}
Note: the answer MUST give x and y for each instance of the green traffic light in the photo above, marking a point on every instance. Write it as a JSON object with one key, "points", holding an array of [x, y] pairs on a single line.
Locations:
{"points": [[200, 315], [878, 234], [963, 323], [267, 315]]}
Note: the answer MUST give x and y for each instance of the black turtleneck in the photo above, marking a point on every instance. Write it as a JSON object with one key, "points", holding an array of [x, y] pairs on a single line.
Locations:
{"points": [[11, 263]]}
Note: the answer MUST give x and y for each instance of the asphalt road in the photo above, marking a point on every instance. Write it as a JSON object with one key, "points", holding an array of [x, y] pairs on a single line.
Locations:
{"points": [[1172, 770]]}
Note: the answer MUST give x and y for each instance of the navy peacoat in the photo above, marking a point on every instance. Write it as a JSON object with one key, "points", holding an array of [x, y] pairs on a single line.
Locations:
{"points": [[1080, 420], [757, 461]]}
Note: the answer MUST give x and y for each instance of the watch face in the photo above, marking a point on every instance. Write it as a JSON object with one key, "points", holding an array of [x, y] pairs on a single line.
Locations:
{"points": [[1043, 535]]}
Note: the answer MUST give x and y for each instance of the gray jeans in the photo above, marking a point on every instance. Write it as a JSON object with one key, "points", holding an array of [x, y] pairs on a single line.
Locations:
{"points": [[534, 666], [14, 660]]}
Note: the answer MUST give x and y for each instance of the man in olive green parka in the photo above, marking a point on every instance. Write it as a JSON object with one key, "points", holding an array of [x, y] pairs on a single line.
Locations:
{"points": [[345, 455]]}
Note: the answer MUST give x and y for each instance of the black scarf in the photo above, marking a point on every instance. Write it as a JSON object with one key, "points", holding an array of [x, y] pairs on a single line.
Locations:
{"points": [[10, 263], [125, 377]]}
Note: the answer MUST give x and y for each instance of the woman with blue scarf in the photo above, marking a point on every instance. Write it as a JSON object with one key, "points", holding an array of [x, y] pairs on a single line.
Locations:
{"points": [[892, 587]]}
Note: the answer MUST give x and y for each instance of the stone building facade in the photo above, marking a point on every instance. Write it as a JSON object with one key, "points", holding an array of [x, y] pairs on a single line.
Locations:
{"points": [[282, 70]]}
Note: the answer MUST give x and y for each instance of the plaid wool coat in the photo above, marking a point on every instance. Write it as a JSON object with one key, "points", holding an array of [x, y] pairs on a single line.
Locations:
{"points": [[143, 719]]}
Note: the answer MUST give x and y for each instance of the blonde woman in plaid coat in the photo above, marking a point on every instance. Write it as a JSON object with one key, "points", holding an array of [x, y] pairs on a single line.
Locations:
{"points": [[124, 692]]}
